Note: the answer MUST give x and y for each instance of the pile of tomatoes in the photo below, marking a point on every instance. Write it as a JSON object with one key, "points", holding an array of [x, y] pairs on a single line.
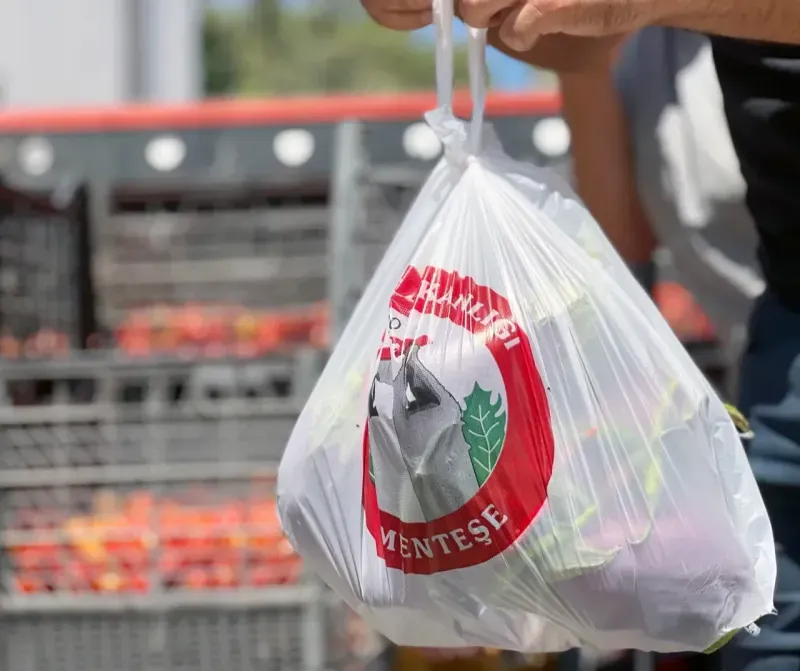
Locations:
{"points": [[220, 330], [135, 543], [204, 330]]}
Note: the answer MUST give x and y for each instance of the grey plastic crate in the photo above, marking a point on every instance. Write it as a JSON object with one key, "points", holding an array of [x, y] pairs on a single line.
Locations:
{"points": [[107, 419], [279, 620], [206, 638], [224, 436], [46, 286], [200, 436], [260, 247], [367, 206], [143, 539]]}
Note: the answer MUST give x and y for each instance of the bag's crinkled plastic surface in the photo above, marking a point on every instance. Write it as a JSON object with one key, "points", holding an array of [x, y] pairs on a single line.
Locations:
{"points": [[510, 448]]}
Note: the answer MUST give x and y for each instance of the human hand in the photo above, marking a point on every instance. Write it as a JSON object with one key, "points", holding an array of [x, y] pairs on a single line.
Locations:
{"points": [[400, 14], [519, 24], [565, 54]]}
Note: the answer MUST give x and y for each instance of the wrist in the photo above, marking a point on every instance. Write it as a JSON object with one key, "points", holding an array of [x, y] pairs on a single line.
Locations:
{"points": [[568, 55]]}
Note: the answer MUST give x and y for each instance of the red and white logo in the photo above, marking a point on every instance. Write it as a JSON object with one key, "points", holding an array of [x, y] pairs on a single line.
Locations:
{"points": [[458, 446]]}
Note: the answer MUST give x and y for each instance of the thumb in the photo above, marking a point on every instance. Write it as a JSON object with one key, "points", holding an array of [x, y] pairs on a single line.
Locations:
{"points": [[527, 22], [532, 19]]}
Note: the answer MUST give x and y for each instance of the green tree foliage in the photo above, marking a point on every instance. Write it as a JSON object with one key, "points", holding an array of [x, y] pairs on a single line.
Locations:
{"points": [[271, 50], [220, 58]]}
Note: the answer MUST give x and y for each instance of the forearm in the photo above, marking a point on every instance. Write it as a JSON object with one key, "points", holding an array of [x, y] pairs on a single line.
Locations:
{"points": [[761, 20], [564, 53], [603, 163]]}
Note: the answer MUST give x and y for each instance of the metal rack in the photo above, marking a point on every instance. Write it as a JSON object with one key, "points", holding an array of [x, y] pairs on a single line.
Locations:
{"points": [[138, 523]]}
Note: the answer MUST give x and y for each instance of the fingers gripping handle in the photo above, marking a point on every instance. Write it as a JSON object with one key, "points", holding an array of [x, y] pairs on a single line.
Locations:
{"points": [[476, 49]]}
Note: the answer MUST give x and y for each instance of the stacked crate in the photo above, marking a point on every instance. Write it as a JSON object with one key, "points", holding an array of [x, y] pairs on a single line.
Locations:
{"points": [[139, 527], [261, 248], [136, 479], [232, 270], [46, 292]]}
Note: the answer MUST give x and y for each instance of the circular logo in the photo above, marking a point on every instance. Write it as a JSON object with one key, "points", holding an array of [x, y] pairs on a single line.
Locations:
{"points": [[458, 444]]}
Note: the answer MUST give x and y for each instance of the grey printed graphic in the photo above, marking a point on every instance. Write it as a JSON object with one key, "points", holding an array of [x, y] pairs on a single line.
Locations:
{"points": [[426, 420]]}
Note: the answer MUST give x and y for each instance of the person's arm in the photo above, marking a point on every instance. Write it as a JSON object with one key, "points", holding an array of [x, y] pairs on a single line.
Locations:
{"points": [[603, 165], [765, 20], [574, 35], [601, 151], [563, 53]]}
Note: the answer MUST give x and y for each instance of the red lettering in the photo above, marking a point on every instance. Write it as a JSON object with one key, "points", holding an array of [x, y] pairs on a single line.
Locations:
{"points": [[388, 538], [448, 295], [442, 540], [437, 546], [422, 546], [493, 517], [504, 328], [397, 347], [461, 539], [479, 532], [404, 547]]}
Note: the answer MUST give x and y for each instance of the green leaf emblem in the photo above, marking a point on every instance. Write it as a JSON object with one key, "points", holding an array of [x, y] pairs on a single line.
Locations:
{"points": [[484, 429]]}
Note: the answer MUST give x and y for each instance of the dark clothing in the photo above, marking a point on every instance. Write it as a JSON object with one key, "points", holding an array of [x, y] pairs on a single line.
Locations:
{"points": [[770, 395], [761, 87]]}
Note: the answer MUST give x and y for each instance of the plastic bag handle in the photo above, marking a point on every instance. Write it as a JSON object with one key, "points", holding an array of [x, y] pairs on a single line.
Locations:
{"points": [[476, 53]]}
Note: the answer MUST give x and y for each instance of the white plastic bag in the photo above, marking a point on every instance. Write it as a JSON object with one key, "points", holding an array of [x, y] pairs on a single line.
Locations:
{"points": [[509, 447]]}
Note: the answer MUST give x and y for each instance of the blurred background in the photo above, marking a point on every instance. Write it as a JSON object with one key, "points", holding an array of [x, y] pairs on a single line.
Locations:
{"points": [[192, 196]]}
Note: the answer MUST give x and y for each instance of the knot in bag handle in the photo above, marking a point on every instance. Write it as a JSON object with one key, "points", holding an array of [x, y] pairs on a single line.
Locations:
{"points": [[444, 17]]}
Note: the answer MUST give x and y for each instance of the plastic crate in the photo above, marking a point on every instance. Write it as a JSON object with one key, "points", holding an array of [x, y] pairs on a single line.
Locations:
{"points": [[260, 248], [183, 638], [368, 205], [105, 418], [47, 298], [144, 539], [127, 596], [138, 527], [162, 468]]}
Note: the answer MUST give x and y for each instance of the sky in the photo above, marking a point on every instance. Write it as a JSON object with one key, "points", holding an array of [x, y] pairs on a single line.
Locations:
{"points": [[506, 74]]}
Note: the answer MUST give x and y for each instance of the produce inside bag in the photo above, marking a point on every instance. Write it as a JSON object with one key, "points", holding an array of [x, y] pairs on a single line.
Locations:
{"points": [[509, 447]]}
